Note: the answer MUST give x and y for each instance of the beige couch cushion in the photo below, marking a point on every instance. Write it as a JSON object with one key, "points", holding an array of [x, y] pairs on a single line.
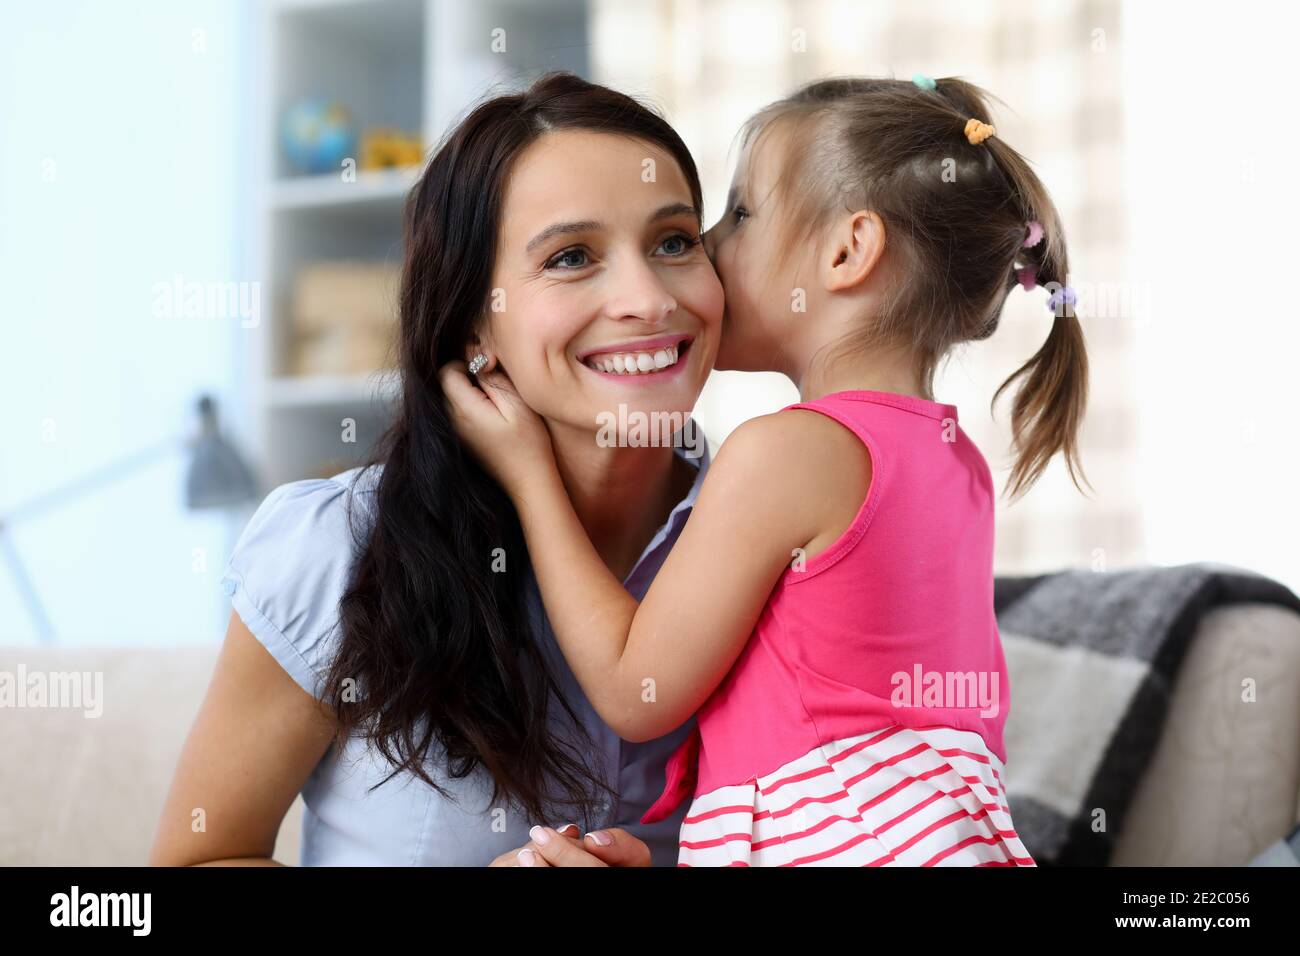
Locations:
{"points": [[87, 791]]}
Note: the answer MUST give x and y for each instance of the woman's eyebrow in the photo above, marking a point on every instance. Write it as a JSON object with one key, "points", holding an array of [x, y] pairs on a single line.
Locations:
{"points": [[563, 228], [593, 225], [674, 209]]}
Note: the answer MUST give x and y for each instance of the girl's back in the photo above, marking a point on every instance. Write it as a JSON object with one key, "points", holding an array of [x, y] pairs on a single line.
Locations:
{"points": [[874, 688]]}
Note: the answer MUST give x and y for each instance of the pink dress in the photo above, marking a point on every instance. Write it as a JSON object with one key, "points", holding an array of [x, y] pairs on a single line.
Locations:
{"points": [[862, 723]]}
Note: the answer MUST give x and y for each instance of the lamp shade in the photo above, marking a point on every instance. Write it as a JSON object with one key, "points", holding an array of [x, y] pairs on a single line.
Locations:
{"points": [[218, 476]]}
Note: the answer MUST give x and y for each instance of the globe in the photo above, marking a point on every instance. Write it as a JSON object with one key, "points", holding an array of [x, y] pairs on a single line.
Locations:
{"points": [[318, 135]]}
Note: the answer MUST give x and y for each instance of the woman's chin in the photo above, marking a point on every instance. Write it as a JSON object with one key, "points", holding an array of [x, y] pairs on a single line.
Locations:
{"points": [[645, 417], [647, 406]]}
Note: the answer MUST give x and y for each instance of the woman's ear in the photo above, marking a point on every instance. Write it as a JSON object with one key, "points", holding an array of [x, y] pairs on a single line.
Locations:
{"points": [[479, 353], [857, 241]]}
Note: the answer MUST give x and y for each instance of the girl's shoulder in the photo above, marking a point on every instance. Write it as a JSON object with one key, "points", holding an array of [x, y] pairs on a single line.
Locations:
{"points": [[801, 469], [291, 565], [800, 441]]}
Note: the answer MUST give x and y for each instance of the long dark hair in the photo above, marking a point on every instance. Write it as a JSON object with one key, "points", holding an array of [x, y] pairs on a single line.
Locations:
{"points": [[959, 240], [437, 641]]}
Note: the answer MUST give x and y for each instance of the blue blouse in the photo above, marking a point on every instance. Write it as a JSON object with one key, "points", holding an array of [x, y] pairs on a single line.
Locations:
{"points": [[285, 579]]}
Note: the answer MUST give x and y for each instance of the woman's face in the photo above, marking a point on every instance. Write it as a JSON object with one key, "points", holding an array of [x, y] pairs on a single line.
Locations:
{"points": [[599, 265]]}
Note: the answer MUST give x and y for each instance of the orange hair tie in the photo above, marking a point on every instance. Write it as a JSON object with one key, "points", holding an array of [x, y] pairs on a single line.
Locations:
{"points": [[977, 132]]}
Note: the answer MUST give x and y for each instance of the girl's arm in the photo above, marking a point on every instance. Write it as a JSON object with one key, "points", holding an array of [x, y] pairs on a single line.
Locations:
{"points": [[647, 667]]}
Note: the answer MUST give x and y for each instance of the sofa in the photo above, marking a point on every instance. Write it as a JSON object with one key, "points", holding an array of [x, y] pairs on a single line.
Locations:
{"points": [[1223, 784], [87, 791]]}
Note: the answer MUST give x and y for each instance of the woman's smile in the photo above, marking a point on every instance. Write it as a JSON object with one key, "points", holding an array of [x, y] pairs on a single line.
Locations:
{"points": [[647, 361]]}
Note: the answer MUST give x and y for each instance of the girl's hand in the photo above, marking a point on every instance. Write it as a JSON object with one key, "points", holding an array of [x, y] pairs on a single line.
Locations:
{"points": [[507, 436]]}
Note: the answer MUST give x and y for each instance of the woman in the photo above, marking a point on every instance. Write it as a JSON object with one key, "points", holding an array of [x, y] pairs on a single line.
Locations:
{"points": [[413, 691]]}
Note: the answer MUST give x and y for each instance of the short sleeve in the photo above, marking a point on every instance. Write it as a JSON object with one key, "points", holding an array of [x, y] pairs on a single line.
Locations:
{"points": [[288, 573]]}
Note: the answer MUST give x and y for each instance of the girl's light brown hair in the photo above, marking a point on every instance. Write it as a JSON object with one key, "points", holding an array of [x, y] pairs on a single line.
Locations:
{"points": [[955, 218]]}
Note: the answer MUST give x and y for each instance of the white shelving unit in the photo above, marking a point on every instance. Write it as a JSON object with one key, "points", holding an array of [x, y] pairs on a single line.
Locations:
{"points": [[408, 64]]}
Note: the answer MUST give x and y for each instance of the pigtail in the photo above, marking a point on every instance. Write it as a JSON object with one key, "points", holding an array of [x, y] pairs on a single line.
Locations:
{"points": [[1049, 405], [1053, 393]]}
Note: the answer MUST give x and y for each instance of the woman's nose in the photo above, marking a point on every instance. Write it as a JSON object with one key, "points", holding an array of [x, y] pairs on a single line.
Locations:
{"points": [[641, 295]]}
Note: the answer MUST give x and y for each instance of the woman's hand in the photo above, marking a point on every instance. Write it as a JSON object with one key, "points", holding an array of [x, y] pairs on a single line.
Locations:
{"points": [[507, 436], [563, 847]]}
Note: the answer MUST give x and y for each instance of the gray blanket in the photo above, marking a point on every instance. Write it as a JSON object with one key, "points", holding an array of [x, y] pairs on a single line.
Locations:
{"points": [[1109, 646]]}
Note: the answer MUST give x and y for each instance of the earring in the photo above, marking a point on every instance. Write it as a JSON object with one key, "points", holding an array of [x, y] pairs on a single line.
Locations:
{"points": [[476, 363]]}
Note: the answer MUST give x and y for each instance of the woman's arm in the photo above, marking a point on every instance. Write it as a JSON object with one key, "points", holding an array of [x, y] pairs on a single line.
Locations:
{"points": [[257, 737]]}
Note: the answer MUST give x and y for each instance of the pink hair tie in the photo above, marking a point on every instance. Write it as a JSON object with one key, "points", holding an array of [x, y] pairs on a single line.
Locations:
{"points": [[1028, 277], [1035, 235]]}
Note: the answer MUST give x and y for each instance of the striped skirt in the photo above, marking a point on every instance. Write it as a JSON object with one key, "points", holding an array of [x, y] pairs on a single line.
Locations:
{"points": [[894, 797]]}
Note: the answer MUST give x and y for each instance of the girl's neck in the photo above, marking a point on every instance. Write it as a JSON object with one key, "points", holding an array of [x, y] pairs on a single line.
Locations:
{"points": [[880, 371], [621, 495]]}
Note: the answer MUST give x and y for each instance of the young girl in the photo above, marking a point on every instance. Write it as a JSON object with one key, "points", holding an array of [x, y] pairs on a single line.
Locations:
{"points": [[828, 609]]}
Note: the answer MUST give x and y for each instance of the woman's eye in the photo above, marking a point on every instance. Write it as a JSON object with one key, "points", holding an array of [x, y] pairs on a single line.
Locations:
{"points": [[679, 244], [741, 213], [568, 259]]}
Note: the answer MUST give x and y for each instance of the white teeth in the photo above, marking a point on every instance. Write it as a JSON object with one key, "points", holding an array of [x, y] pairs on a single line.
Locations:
{"points": [[634, 363]]}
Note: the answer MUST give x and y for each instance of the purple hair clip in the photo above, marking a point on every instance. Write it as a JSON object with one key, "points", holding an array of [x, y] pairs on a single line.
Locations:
{"points": [[1060, 297]]}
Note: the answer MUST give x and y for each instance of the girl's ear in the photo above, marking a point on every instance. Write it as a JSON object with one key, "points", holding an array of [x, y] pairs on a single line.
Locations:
{"points": [[856, 244]]}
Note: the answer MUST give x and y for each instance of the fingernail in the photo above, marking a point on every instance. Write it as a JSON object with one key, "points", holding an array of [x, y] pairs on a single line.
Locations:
{"points": [[601, 838], [539, 836], [568, 826], [526, 857]]}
